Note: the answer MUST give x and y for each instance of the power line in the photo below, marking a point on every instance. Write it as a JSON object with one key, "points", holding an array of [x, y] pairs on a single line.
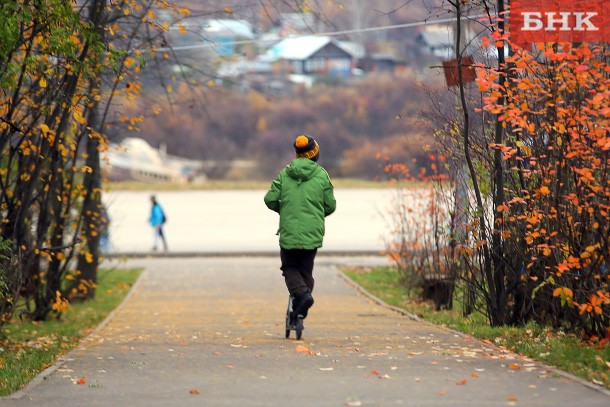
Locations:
{"points": [[211, 44]]}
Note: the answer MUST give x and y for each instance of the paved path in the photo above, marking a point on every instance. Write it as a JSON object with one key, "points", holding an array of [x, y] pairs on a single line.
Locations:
{"points": [[209, 331]]}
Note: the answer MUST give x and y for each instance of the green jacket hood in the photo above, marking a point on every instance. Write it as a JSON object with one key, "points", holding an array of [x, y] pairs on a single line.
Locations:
{"points": [[302, 194], [302, 169]]}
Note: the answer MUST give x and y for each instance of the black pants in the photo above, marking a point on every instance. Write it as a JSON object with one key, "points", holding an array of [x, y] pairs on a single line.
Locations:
{"points": [[297, 268]]}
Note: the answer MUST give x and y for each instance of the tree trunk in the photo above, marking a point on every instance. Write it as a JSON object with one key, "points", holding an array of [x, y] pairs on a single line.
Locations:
{"points": [[88, 260]]}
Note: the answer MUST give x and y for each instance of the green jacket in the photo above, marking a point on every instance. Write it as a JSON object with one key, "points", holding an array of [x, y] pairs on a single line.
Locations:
{"points": [[303, 195]]}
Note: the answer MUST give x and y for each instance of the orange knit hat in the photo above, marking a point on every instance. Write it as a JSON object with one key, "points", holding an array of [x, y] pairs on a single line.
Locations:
{"points": [[306, 147]]}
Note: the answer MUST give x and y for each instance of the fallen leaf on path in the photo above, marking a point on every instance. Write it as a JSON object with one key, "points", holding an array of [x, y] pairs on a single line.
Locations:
{"points": [[230, 367], [514, 366], [81, 381], [462, 382], [374, 372], [474, 375], [303, 349], [194, 391], [512, 398], [442, 392], [217, 353]]}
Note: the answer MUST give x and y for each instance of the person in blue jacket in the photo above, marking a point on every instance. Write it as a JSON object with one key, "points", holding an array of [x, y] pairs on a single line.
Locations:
{"points": [[157, 220]]}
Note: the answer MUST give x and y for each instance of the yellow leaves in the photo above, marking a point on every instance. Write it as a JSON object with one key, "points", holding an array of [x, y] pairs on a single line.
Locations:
{"points": [[78, 117], [60, 304], [544, 190], [184, 11], [112, 29], [228, 10], [45, 129], [129, 62], [75, 40], [42, 83], [592, 248], [182, 29], [589, 251]]}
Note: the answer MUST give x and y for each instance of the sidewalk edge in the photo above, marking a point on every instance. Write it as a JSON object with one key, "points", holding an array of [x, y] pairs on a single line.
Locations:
{"points": [[42, 376], [380, 302]]}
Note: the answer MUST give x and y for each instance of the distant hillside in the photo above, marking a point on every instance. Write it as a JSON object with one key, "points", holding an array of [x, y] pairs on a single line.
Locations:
{"points": [[356, 125]]}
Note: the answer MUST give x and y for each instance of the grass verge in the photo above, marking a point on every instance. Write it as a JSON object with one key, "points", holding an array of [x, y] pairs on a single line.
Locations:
{"points": [[28, 347], [555, 348]]}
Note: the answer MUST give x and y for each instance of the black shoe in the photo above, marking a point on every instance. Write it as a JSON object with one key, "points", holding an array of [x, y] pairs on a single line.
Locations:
{"points": [[304, 302]]}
